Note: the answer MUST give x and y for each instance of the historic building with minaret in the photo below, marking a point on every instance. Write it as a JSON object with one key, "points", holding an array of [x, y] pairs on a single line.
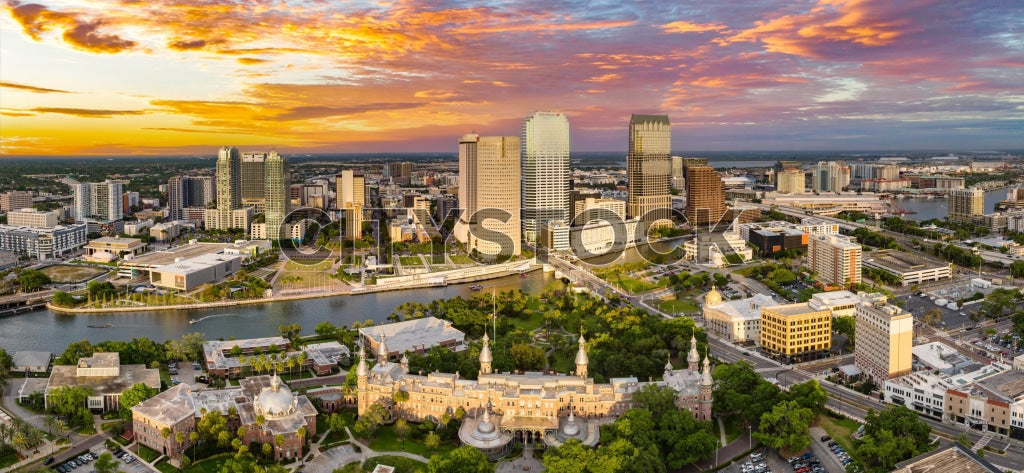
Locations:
{"points": [[500, 409]]}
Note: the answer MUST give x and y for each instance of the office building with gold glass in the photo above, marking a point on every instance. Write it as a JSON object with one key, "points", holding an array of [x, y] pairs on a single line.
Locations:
{"points": [[490, 195], [965, 204], [795, 332], [705, 196], [351, 197], [649, 167]]}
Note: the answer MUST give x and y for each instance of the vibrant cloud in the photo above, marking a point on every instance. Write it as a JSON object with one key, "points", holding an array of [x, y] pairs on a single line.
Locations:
{"points": [[165, 76]]}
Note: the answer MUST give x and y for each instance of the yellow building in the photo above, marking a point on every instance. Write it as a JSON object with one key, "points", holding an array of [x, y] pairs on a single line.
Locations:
{"points": [[795, 332]]}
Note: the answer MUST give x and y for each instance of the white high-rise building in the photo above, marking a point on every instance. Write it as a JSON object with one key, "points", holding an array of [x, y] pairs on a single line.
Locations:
{"points": [[98, 200], [275, 192], [544, 159]]}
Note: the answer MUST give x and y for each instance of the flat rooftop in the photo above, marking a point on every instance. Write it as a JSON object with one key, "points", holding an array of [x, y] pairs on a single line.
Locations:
{"points": [[198, 263], [800, 308], [67, 375], [900, 262], [1008, 384], [32, 358], [412, 335], [164, 257], [954, 458], [744, 309], [110, 242]]}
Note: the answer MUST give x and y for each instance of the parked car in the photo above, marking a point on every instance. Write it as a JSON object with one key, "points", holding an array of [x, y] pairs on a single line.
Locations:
{"points": [[825, 438]]}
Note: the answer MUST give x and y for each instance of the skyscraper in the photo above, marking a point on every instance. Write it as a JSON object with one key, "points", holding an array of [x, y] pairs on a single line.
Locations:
{"points": [[189, 191], [252, 172], [831, 176], [790, 181], [965, 204], [545, 171], [351, 195], [489, 190], [98, 200], [229, 192], [836, 259], [885, 335], [276, 177], [648, 167], [705, 195]]}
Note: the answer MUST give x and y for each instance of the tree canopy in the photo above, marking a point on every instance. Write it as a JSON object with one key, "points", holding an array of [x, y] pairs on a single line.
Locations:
{"points": [[891, 436], [133, 396], [465, 459]]}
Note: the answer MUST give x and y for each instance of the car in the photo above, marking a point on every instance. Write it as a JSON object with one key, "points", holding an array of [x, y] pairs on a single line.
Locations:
{"points": [[61, 469], [808, 455], [48, 461]]}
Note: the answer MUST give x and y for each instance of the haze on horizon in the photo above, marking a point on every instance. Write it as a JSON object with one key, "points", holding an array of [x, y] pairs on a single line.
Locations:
{"points": [[121, 77]]}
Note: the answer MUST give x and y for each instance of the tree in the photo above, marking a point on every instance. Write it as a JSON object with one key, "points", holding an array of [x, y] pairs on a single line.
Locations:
{"points": [[63, 299], [106, 463], [1000, 302], [741, 391], [101, 290], [932, 317], [73, 352], [846, 325], [891, 436], [1017, 268], [134, 395], [373, 418], [464, 459], [188, 347], [325, 329], [401, 430], [527, 357], [654, 398], [268, 449], [432, 441], [808, 394], [786, 427], [69, 403], [33, 280]]}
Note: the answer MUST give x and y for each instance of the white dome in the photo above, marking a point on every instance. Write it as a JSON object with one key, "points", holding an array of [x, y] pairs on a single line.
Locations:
{"points": [[275, 401], [713, 298]]}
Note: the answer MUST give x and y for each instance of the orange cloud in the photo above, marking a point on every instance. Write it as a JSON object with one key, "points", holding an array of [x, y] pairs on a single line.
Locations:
{"points": [[32, 88], [81, 34], [186, 45], [248, 61], [604, 78], [87, 112], [690, 27]]}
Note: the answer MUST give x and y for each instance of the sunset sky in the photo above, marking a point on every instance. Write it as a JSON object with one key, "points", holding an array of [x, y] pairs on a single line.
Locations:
{"points": [[176, 76]]}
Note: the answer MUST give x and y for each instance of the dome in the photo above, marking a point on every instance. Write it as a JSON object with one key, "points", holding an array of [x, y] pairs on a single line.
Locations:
{"points": [[581, 354], [102, 256], [713, 297], [485, 351], [570, 429], [275, 401]]}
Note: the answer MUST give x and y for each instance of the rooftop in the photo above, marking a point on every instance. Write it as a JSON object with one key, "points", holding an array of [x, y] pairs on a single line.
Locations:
{"points": [[663, 119], [831, 299], [412, 335], [744, 309], [32, 358], [800, 308], [900, 262], [109, 242], [1009, 385], [130, 375], [163, 257], [938, 355], [954, 458], [168, 407], [198, 263]]}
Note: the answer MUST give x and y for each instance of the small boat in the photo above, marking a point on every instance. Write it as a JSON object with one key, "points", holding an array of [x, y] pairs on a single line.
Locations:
{"points": [[190, 322], [476, 287], [100, 326]]}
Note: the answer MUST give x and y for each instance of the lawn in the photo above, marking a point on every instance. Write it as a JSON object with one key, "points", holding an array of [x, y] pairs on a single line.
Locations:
{"points": [[675, 306], [294, 265], [86, 429], [147, 453], [209, 465], [166, 467], [387, 442], [733, 429], [532, 321], [401, 464], [840, 430], [71, 274], [461, 259], [8, 458]]}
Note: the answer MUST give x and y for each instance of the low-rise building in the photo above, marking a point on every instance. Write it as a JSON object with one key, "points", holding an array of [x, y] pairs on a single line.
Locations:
{"points": [[795, 332], [739, 321], [267, 409], [106, 378], [43, 243], [942, 358], [165, 231], [954, 458], [841, 303], [119, 247], [32, 361], [910, 268], [188, 274], [415, 336], [138, 227], [991, 404], [30, 217], [222, 356]]}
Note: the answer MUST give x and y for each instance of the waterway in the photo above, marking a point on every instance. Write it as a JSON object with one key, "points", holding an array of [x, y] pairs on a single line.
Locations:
{"points": [[928, 209], [44, 330]]}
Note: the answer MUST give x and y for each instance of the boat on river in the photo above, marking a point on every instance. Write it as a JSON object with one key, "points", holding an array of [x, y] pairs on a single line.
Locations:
{"points": [[100, 326]]}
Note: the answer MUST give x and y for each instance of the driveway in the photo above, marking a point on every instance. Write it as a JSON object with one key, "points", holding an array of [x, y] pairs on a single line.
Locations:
{"points": [[329, 460], [828, 459]]}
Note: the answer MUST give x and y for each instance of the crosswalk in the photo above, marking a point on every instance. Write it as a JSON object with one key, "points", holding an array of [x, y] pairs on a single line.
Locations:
{"points": [[984, 440]]}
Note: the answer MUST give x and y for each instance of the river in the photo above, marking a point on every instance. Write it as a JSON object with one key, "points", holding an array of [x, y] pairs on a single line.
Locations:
{"points": [[44, 330], [928, 209]]}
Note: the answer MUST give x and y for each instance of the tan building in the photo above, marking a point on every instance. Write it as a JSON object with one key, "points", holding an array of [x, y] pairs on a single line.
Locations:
{"points": [[116, 246], [489, 191], [30, 217], [836, 259], [229, 189], [106, 378], [739, 321], [885, 340], [532, 406], [648, 167], [705, 196], [791, 181], [991, 404], [965, 204], [351, 199], [601, 208], [14, 200], [179, 409], [795, 332]]}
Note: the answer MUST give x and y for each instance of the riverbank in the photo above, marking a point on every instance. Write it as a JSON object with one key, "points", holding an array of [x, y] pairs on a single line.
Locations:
{"points": [[427, 280]]}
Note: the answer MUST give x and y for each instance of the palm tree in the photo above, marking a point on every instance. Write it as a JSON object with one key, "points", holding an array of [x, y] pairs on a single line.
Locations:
{"points": [[19, 440], [5, 435], [50, 421], [34, 437], [62, 427], [193, 438], [179, 437]]}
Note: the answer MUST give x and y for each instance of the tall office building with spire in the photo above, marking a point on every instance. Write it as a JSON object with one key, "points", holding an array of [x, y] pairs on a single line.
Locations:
{"points": [[275, 190], [648, 167], [544, 157], [229, 192], [489, 190]]}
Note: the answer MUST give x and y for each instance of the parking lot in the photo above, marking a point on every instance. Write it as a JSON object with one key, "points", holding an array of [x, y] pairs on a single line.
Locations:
{"points": [[951, 318], [127, 466]]}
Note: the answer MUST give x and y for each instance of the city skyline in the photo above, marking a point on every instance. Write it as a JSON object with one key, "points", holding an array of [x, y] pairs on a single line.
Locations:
{"points": [[89, 77]]}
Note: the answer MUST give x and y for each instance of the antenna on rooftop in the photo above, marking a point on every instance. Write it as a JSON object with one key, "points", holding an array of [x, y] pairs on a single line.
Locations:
{"points": [[494, 315]]}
